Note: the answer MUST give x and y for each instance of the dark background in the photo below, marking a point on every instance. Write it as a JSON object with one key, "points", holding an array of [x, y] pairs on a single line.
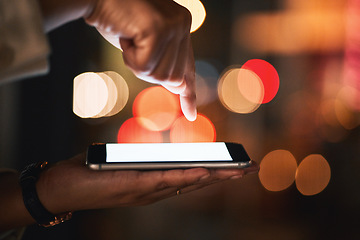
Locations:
{"points": [[37, 123]]}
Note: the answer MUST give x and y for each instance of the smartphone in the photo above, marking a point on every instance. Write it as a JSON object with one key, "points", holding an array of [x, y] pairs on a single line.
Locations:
{"points": [[142, 156]]}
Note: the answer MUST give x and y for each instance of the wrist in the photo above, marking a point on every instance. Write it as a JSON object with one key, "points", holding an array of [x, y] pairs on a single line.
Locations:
{"points": [[40, 214]]}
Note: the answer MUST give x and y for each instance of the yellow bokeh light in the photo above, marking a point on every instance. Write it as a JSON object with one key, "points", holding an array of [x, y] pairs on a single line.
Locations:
{"points": [[197, 10], [277, 170], [90, 95], [250, 86], [313, 175], [231, 96]]}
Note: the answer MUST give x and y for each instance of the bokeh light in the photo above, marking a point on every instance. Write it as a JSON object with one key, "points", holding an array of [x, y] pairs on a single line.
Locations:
{"points": [[291, 32], [345, 115], [98, 95], [231, 96], [90, 95], [132, 132], [197, 10], [156, 108], [313, 175], [200, 130], [206, 82], [329, 127], [277, 170], [111, 98], [268, 75], [250, 86], [122, 92]]}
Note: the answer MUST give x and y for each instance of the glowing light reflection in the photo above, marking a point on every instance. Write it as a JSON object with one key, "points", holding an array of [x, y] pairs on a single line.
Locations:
{"points": [[197, 10], [206, 82], [268, 75], [250, 86], [132, 132], [231, 96], [156, 108], [277, 170], [90, 95], [313, 175], [97, 95], [122, 90], [200, 130]]}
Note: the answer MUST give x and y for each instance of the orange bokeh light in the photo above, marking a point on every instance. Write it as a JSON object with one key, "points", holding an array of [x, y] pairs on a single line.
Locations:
{"points": [[268, 75], [156, 108], [313, 175], [277, 170], [230, 93], [250, 86], [200, 130], [132, 132]]}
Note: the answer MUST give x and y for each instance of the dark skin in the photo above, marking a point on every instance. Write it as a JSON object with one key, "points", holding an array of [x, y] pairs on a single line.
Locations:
{"points": [[155, 38]]}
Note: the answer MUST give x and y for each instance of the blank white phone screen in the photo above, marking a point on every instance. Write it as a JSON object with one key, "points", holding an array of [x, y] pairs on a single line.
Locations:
{"points": [[167, 152]]}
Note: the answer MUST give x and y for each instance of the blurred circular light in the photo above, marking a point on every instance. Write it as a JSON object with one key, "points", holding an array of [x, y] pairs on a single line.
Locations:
{"points": [[277, 170], [231, 96], [203, 91], [112, 95], [197, 10], [206, 82], [313, 175], [90, 95], [122, 92], [268, 75], [346, 115], [156, 108], [328, 125], [200, 130], [250, 86], [99, 94], [132, 132]]}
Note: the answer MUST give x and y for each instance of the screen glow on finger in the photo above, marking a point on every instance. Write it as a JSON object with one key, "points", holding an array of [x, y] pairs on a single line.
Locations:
{"points": [[200, 130], [156, 108], [313, 175], [277, 170], [197, 10], [132, 132], [268, 75], [90, 95], [230, 95]]}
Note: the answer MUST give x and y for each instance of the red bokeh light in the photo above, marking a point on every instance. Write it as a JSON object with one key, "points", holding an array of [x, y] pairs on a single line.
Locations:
{"points": [[132, 132], [268, 75]]}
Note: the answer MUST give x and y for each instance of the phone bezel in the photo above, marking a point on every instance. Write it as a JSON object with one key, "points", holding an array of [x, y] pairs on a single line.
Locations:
{"points": [[96, 159]]}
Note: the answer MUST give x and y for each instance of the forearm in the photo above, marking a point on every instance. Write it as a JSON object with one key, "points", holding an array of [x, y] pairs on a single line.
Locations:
{"points": [[12, 208], [56, 13]]}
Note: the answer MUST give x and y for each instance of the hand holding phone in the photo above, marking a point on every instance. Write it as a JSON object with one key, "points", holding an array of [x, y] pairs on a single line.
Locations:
{"points": [[113, 156]]}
